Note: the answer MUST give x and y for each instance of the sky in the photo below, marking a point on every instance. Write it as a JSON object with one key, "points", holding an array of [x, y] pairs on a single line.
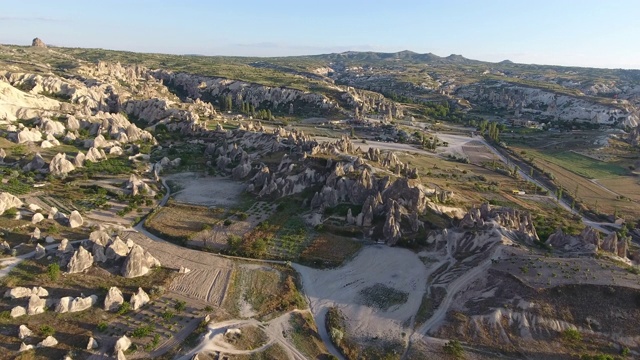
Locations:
{"points": [[602, 33]]}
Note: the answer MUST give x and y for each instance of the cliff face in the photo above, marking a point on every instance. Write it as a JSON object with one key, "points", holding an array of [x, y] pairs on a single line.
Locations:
{"points": [[546, 104], [210, 89]]}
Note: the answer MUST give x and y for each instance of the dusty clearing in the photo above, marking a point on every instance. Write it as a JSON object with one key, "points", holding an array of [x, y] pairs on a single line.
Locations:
{"points": [[182, 222], [206, 190], [401, 270], [209, 276]]}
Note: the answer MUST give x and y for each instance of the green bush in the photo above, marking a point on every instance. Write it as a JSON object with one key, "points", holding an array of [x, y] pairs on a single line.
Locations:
{"points": [[102, 326], [54, 271], [453, 348], [142, 331], [46, 330], [180, 305], [124, 308], [572, 335]]}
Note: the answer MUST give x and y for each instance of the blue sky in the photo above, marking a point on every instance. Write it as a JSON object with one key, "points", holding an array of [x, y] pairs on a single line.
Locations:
{"points": [[563, 32]]}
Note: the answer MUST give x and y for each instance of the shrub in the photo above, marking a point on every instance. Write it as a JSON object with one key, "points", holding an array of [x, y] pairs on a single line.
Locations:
{"points": [[54, 271], [10, 213], [572, 335], [46, 330], [102, 326], [453, 348], [180, 305], [142, 331], [124, 308]]}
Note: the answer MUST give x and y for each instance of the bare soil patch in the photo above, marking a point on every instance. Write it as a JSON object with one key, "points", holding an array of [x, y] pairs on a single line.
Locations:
{"points": [[206, 190]]}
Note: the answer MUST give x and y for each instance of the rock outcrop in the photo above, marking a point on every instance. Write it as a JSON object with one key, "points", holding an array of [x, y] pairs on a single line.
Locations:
{"points": [[18, 311], [36, 305], [122, 344], [139, 299], [113, 300], [116, 249], [23, 292], [71, 304], [40, 252], [25, 347], [8, 201], [60, 166], [80, 261], [24, 332], [92, 343], [138, 262], [64, 246], [75, 219], [49, 341], [38, 43]]}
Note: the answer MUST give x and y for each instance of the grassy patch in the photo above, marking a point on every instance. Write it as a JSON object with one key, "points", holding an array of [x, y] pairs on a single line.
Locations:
{"points": [[382, 297], [329, 250], [305, 335]]}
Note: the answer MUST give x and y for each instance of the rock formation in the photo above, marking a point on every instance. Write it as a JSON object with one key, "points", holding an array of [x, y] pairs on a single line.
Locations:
{"points": [[37, 217], [138, 262], [75, 219], [38, 43], [92, 343], [139, 299], [116, 249], [24, 332], [25, 347], [40, 251], [71, 304], [49, 341], [36, 305], [18, 311], [23, 292], [64, 246], [122, 344], [60, 166], [80, 261], [8, 201], [113, 300]]}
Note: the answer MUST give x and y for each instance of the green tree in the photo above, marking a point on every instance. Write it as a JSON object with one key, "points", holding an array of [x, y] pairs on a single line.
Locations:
{"points": [[453, 348], [54, 271]]}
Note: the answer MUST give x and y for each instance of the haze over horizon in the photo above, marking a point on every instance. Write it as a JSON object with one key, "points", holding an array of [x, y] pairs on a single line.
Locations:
{"points": [[570, 33]]}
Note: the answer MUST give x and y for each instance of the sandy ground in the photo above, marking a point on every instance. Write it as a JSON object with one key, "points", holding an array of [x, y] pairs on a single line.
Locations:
{"points": [[206, 190], [209, 277], [214, 341], [401, 269]]}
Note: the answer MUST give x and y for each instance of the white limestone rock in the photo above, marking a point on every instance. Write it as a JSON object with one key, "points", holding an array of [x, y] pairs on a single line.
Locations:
{"points": [[139, 299], [37, 217], [80, 261], [18, 311], [24, 332], [122, 344], [92, 344], [8, 201], [65, 246], [23, 292], [52, 213], [138, 262], [36, 305], [60, 166], [40, 252], [75, 219], [49, 341], [70, 304], [113, 300], [25, 347], [117, 249]]}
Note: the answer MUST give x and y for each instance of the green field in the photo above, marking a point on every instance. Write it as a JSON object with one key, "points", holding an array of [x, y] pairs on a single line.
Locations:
{"points": [[580, 164]]}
